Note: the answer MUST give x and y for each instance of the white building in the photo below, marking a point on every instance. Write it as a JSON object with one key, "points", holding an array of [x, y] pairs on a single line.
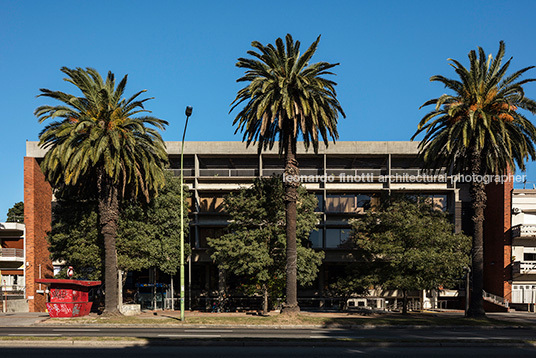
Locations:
{"points": [[524, 247]]}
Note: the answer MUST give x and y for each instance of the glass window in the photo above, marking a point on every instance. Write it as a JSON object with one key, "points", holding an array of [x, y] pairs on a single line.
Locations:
{"points": [[315, 238], [347, 203], [438, 202], [337, 238], [211, 203], [320, 206], [530, 256]]}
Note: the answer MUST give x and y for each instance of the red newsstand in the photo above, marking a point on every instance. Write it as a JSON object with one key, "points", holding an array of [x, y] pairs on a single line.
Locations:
{"points": [[68, 298]]}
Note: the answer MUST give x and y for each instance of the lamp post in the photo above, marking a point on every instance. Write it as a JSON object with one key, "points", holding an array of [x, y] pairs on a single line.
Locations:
{"points": [[467, 270], [188, 113]]}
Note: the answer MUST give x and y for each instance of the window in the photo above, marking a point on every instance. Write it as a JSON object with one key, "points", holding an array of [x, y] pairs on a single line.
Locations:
{"points": [[315, 238], [529, 256], [347, 203], [211, 203], [337, 238], [320, 206]]}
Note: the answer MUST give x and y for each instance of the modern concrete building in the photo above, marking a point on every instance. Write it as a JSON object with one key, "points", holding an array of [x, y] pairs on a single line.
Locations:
{"points": [[347, 178]]}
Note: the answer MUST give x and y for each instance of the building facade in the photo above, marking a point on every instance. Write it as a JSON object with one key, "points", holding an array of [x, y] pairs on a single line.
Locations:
{"points": [[524, 248], [12, 268], [347, 178]]}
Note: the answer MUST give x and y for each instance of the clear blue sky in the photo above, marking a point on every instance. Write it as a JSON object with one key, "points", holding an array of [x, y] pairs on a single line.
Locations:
{"points": [[184, 52]]}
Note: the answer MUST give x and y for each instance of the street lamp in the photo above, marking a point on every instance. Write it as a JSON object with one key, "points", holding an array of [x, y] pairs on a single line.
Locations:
{"points": [[467, 270], [188, 113]]}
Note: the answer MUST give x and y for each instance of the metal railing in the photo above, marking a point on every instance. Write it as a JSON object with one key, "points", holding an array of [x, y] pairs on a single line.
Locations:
{"points": [[8, 253], [523, 230], [223, 172], [188, 172], [527, 267], [495, 299]]}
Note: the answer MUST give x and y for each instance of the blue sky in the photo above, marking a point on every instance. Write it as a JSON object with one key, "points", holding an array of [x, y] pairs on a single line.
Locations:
{"points": [[184, 52]]}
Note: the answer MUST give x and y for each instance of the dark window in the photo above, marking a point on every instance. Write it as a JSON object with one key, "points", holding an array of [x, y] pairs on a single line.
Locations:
{"points": [[320, 206], [315, 238], [530, 256], [337, 238]]}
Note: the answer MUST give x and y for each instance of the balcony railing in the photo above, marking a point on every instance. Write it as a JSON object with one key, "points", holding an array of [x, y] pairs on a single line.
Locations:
{"points": [[524, 267], [524, 230], [356, 172], [496, 299], [11, 254], [187, 172], [228, 172]]}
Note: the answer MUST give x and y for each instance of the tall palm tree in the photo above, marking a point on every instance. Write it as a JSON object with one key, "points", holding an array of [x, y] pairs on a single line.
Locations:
{"points": [[479, 130], [287, 97], [98, 143]]}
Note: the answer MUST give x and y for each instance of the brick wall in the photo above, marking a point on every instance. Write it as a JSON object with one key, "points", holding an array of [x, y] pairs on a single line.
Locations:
{"points": [[498, 240], [37, 217]]}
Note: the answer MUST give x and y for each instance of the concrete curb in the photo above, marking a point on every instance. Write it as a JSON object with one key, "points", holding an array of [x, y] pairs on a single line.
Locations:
{"points": [[265, 326]]}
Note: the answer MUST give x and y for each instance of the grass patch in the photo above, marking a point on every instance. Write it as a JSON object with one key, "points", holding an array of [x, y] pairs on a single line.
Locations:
{"points": [[419, 319]]}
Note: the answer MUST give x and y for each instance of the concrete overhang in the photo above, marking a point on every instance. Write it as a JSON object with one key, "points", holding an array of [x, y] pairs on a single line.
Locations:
{"points": [[239, 148], [16, 229]]}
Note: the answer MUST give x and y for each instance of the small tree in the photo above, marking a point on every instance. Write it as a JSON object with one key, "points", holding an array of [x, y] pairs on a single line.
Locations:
{"points": [[409, 245], [16, 213], [255, 245]]}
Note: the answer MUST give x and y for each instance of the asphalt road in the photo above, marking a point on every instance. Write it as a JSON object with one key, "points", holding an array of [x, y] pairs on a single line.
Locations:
{"points": [[267, 351], [403, 334]]}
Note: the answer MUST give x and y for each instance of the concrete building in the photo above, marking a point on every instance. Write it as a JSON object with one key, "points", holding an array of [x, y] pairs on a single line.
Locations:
{"points": [[347, 178]]}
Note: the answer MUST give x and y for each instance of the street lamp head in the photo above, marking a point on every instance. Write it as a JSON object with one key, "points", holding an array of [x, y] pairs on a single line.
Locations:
{"points": [[189, 110]]}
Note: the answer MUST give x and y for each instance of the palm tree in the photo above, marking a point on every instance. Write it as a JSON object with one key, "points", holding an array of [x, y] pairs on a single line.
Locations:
{"points": [[98, 144], [479, 130], [285, 97]]}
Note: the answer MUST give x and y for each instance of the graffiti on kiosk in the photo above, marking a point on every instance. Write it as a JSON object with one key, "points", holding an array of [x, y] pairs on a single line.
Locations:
{"points": [[60, 294]]}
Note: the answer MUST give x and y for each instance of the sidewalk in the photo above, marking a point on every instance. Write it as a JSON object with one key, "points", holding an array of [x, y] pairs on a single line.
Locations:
{"points": [[22, 319]]}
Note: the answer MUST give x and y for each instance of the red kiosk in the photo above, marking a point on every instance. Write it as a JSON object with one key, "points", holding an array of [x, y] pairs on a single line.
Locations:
{"points": [[68, 298]]}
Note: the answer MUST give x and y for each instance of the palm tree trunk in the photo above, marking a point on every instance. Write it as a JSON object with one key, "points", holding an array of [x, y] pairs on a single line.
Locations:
{"points": [[108, 217], [291, 184], [478, 196]]}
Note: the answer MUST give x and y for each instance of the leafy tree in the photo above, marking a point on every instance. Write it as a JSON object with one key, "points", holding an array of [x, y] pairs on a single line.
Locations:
{"points": [[100, 142], [255, 245], [408, 246], [16, 213], [287, 97], [158, 223], [479, 130], [148, 234]]}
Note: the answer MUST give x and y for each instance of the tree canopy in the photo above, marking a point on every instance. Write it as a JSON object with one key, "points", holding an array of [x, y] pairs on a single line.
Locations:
{"points": [[479, 129], [104, 143], [148, 234], [16, 213], [406, 245], [254, 248]]}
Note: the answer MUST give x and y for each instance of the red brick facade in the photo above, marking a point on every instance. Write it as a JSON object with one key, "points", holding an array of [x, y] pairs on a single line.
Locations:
{"points": [[37, 217], [498, 240]]}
